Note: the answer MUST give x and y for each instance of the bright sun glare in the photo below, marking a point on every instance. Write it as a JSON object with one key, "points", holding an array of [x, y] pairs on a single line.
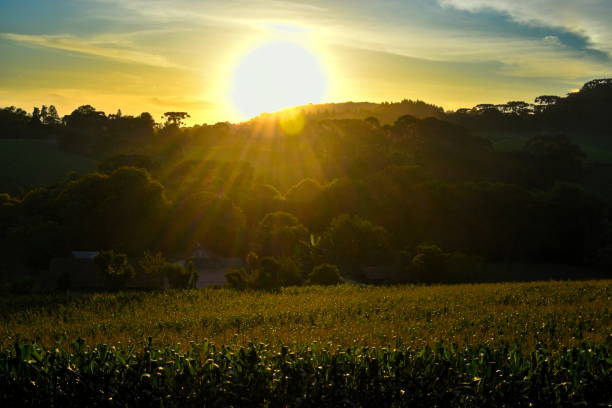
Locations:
{"points": [[277, 75]]}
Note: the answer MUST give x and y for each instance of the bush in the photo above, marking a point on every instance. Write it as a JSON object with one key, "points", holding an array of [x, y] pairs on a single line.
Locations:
{"points": [[267, 273], [237, 279], [21, 286], [464, 268], [115, 269], [431, 264], [179, 276], [289, 273], [325, 274], [152, 265]]}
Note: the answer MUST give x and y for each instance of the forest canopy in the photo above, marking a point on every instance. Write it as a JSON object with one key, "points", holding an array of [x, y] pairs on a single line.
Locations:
{"points": [[360, 185]]}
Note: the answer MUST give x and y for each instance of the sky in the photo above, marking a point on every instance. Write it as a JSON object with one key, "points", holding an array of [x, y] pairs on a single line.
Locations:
{"points": [[184, 55]]}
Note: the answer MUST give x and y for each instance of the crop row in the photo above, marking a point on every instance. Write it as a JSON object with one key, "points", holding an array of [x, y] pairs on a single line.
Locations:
{"points": [[203, 374]]}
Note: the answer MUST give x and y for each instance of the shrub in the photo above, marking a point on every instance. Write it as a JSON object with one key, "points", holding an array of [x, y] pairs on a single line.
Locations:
{"points": [[179, 276], [289, 273], [21, 286], [464, 268], [115, 269], [325, 274], [269, 273], [237, 279], [152, 265], [431, 264]]}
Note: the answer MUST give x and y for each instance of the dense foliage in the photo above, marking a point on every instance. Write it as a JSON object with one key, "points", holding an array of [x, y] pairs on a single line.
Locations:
{"points": [[308, 376], [346, 189]]}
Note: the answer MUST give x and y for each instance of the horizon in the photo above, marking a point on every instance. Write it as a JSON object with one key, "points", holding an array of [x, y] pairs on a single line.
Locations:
{"points": [[234, 60]]}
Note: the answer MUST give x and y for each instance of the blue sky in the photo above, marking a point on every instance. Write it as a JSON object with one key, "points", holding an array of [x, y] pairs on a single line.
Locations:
{"points": [[158, 55]]}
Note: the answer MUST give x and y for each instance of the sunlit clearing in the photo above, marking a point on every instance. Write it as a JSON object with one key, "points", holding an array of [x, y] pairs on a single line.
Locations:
{"points": [[277, 75]]}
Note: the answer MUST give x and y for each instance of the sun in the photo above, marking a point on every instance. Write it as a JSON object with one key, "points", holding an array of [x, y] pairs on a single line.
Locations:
{"points": [[277, 75]]}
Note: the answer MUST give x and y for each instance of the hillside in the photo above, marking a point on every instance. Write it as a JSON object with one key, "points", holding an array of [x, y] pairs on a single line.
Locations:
{"points": [[28, 163]]}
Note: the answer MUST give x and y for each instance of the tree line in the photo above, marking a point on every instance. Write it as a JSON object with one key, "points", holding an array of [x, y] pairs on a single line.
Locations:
{"points": [[424, 197]]}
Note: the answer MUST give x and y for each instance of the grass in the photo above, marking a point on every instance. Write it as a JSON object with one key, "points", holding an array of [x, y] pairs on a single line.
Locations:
{"points": [[555, 314], [27, 163]]}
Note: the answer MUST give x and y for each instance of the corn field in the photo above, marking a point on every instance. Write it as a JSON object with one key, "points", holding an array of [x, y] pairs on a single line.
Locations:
{"points": [[316, 375], [513, 345]]}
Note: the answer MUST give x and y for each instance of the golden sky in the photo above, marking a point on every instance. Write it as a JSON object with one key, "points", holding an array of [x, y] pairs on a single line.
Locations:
{"points": [[189, 55]]}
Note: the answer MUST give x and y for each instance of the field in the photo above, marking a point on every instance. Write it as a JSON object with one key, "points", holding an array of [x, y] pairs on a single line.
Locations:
{"points": [[32, 163], [545, 344]]}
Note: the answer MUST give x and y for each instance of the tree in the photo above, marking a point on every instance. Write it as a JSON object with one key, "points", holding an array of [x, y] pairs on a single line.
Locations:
{"points": [[516, 107], [52, 117], [304, 192], [115, 269], [429, 264], [86, 130], [210, 219], [604, 83], [373, 122], [179, 276], [325, 274], [123, 210], [259, 200], [302, 199], [113, 163], [36, 116], [175, 118], [279, 234], [43, 114], [484, 107], [547, 99], [556, 158], [351, 242]]}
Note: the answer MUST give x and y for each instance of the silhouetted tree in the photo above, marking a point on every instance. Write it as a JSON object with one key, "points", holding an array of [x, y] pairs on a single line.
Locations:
{"points": [[175, 118]]}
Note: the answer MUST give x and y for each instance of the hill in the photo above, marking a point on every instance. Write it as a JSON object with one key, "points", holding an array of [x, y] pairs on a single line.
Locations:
{"points": [[384, 112]]}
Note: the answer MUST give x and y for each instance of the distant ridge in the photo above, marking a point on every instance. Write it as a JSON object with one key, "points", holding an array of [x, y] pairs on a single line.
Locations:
{"points": [[385, 112]]}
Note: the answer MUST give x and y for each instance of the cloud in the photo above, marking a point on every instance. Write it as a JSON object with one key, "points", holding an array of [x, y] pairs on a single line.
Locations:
{"points": [[105, 47], [587, 18]]}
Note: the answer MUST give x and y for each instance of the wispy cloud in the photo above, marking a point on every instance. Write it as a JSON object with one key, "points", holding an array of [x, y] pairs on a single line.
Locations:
{"points": [[105, 47], [587, 18]]}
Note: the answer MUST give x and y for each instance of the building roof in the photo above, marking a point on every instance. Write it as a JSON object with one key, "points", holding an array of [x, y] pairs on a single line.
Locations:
{"points": [[84, 254]]}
